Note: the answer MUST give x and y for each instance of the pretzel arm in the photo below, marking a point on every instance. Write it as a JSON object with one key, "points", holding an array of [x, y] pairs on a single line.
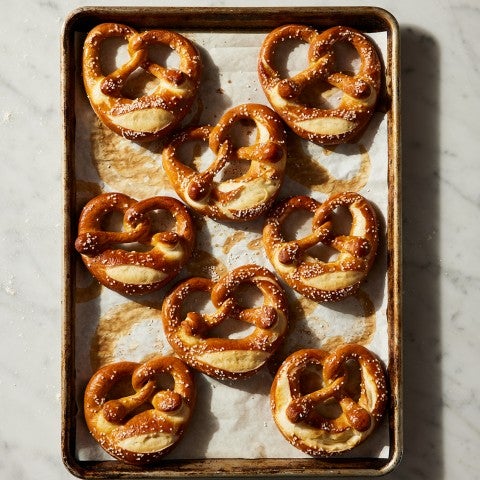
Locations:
{"points": [[292, 87], [355, 246], [201, 184], [300, 407], [268, 152], [357, 416], [116, 410]]}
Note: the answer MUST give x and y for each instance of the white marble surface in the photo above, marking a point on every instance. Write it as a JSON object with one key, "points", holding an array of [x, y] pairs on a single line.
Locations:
{"points": [[441, 100]]}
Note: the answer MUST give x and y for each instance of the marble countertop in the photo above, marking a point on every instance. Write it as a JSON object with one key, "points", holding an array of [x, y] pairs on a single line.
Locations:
{"points": [[441, 173]]}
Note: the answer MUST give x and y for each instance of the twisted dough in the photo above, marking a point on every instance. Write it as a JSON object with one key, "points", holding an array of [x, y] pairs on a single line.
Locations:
{"points": [[359, 91], [324, 403], [153, 259], [147, 422], [310, 276], [151, 115], [226, 357], [246, 196]]}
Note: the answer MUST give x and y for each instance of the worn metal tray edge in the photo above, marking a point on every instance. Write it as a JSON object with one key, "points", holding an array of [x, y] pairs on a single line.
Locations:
{"points": [[244, 18]]}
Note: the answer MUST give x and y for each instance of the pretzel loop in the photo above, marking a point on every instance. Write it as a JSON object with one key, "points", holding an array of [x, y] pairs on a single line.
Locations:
{"points": [[190, 335], [245, 196], [317, 279], [151, 115], [146, 423], [321, 406], [138, 259], [359, 91]]}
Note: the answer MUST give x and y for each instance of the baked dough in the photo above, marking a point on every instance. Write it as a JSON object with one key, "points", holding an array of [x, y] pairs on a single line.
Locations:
{"points": [[359, 90], [314, 278], [247, 196], [325, 403], [145, 423], [190, 334], [139, 259], [152, 115]]}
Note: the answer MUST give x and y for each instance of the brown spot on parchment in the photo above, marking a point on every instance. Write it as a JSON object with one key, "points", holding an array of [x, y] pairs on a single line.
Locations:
{"points": [[255, 244], [303, 307], [366, 335], [204, 264], [85, 191], [309, 171], [232, 240], [307, 328], [117, 324], [125, 166]]}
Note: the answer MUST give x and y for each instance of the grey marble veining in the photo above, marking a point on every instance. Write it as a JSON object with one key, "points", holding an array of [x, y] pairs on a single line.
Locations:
{"points": [[441, 207]]}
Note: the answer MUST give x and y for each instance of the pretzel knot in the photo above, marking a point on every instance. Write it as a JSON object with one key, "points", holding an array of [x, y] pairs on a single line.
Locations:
{"points": [[246, 196], [147, 422], [309, 275], [219, 357], [296, 99], [139, 259], [325, 403], [154, 114]]}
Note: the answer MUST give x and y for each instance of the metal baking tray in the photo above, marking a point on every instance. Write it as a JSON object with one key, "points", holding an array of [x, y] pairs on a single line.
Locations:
{"points": [[215, 21]]}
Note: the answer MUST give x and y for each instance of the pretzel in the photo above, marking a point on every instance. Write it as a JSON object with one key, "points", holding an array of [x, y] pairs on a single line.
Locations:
{"points": [[316, 279], [359, 91], [148, 421], [321, 406], [227, 358], [154, 114], [237, 199], [136, 270]]}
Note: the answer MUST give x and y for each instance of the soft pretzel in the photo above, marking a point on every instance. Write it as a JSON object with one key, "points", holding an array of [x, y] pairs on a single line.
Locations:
{"points": [[246, 196], [320, 403], [316, 279], [359, 91], [227, 358], [146, 422], [154, 257], [154, 114]]}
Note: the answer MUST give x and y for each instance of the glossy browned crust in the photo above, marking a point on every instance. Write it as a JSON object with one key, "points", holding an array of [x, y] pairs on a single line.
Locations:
{"points": [[166, 96], [102, 249], [267, 157], [360, 90], [357, 415], [150, 410], [269, 320], [292, 261]]}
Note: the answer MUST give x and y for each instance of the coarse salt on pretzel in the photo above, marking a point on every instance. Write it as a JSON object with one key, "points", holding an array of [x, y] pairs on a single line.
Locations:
{"points": [[151, 115], [359, 91], [146, 422], [325, 403], [191, 336], [139, 259], [312, 277], [237, 199]]}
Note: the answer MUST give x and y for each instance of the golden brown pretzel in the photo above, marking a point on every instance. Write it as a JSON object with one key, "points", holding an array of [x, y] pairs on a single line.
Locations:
{"points": [[316, 279], [136, 270], [154, 114], [327, 126], [324, 403], [246, 196], [227, 358], [146, 422]]}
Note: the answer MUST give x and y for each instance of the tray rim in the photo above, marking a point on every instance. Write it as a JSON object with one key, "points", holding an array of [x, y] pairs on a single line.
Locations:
{"points": [[256, 18]]}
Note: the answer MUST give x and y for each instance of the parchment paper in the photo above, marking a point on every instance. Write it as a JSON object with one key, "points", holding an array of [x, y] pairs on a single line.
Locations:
{"points": [[231, 419]]}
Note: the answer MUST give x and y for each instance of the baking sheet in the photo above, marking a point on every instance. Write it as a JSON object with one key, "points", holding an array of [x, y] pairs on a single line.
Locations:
{"points": [[110, 327]]}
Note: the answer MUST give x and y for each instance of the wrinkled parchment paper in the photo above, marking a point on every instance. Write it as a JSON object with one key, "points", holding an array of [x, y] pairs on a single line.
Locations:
{"points": [[231, 419]]}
